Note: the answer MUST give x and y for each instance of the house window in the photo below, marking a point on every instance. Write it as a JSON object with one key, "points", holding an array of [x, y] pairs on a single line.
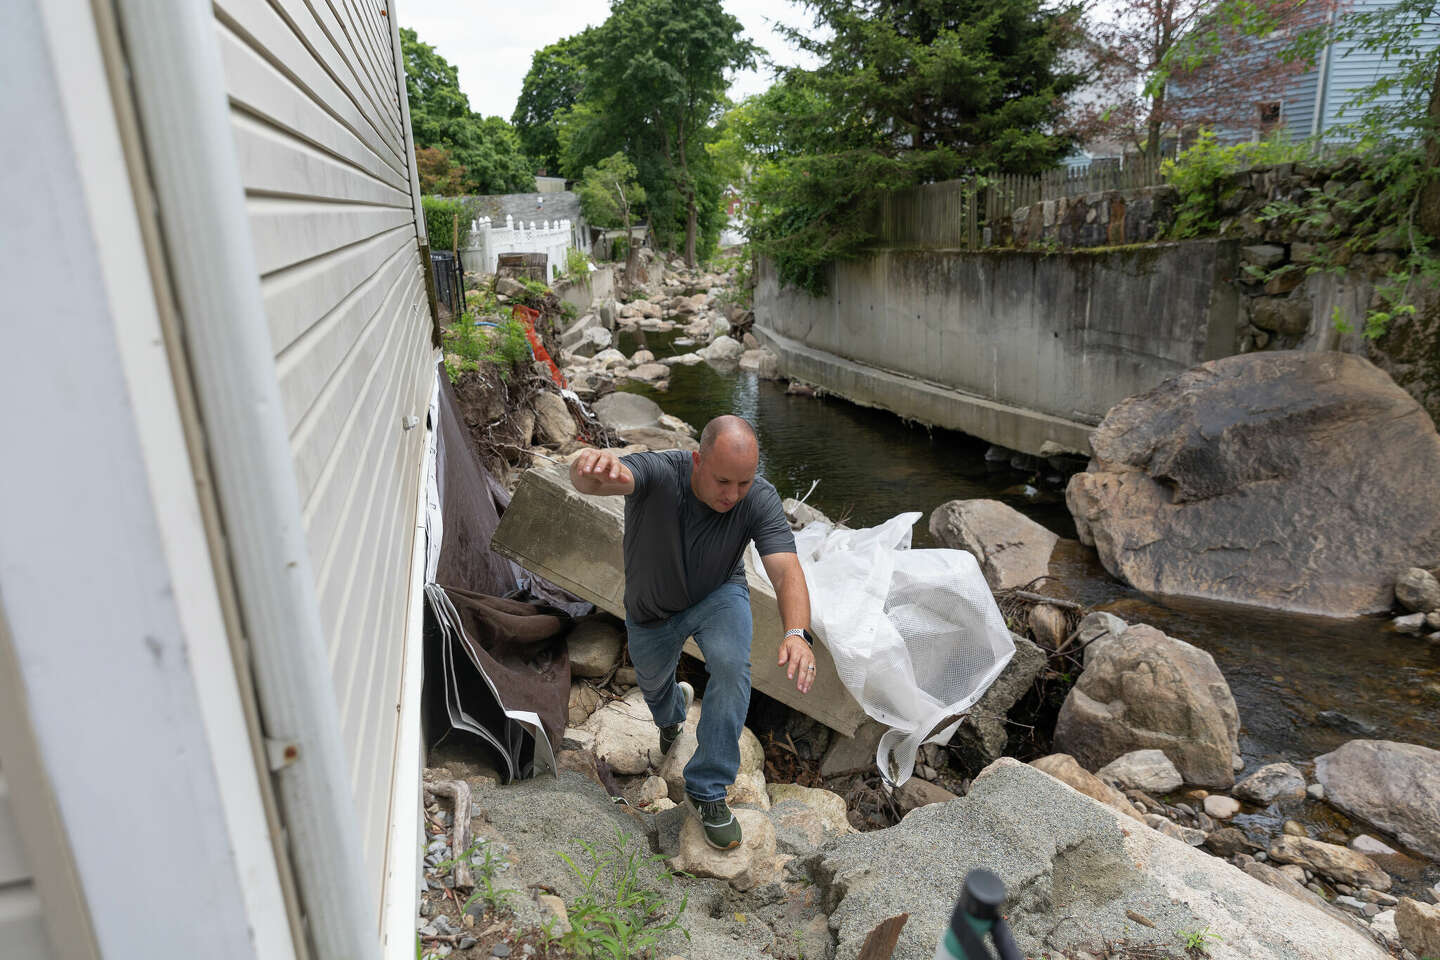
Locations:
{"points": [[1269, 117]]}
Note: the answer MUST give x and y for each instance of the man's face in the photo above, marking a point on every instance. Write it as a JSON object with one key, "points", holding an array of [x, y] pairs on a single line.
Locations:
{"points": [[722, 477]]}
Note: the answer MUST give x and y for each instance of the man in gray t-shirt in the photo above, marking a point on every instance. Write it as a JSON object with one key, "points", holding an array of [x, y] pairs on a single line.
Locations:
{"points": [[688, 519]]}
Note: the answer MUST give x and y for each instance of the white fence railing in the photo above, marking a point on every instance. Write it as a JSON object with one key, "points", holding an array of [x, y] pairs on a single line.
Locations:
{"points": [[489, 239]]}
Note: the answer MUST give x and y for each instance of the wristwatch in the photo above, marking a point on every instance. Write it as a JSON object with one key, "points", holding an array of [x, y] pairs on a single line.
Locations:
{"points": [[800, 632]]}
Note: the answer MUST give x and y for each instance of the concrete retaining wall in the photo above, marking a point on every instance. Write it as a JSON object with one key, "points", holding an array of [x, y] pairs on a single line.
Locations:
{"points": [[584, 294], [1016, 347]]}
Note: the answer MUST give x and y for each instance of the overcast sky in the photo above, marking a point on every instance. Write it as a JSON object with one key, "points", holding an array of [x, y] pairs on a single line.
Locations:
{"points": [[491, 44]]}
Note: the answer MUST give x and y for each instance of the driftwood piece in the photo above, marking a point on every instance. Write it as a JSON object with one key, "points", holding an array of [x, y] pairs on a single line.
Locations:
{"points": [[458, 793], [1041, 598], [880, 944]]}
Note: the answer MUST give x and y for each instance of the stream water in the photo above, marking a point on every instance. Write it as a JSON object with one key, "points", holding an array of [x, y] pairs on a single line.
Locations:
{"points": [[1303, 685]]}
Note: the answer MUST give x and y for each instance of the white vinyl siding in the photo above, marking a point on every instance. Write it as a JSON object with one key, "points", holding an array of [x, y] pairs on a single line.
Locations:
{"points": [[22, 928], [317, 124]]}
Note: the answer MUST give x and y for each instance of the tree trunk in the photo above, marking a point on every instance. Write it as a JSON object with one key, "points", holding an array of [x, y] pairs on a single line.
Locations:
{"points": [[1152, 127], [691, 223], [1429, 213], [631, 261]]}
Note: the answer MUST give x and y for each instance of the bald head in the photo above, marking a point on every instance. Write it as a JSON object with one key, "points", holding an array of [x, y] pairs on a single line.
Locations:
{"points": [[730, 432], [724, 466]]}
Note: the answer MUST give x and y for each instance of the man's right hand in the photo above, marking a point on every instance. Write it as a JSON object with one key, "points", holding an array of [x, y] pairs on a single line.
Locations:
{"points": [[601, 472]]}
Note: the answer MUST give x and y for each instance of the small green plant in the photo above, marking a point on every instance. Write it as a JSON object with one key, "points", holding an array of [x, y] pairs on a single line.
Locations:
{"points": [[577, 265], [619, 247], [1196, 942], [535, 292], [481, 302], [619, 913], [470, 343], [1200, 174], [496, 898]]}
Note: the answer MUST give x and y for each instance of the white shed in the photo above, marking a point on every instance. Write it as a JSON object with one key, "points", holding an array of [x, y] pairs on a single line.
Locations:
{"points": [[217, 361]]}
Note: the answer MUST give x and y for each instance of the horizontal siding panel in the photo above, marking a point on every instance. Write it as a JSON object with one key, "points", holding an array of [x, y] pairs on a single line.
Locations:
{"points": [[299, 297], [286, 231], [324, 511], [322, 429], [1300, 105], [315, 22], [272, 161], [22, 927], [262, 28], [315, 112], [373, 57], [312, 361], [254, 85], [340, 587]]}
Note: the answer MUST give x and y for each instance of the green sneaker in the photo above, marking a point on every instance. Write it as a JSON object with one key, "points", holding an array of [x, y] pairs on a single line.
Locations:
{"points": [[722, 830], [668, 735]]}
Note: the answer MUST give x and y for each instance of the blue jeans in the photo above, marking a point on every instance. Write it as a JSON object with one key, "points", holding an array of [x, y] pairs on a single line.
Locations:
{"points": [[721, 626]]}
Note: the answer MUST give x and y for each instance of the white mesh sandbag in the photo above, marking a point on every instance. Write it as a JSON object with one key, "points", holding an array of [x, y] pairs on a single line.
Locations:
{"points": [[915, 634]]}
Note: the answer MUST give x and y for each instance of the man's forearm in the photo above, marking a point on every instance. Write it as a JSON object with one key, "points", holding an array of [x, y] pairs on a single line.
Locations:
{"points": [[792, 596]]}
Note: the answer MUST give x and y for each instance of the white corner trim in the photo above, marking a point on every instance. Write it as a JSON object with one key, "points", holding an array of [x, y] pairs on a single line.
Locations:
{"points": [[404, 843]]}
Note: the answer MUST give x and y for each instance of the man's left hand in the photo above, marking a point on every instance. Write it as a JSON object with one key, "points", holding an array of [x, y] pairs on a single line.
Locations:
{"points": [[801, 659]]}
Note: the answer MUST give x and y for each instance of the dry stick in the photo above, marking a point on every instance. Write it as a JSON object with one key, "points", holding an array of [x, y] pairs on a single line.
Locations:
{"points": [[1041, 598], [458, 792]]}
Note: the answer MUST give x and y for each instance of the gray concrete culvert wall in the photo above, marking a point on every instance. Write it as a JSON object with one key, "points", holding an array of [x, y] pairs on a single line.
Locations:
{"points": [[1016, 347]]}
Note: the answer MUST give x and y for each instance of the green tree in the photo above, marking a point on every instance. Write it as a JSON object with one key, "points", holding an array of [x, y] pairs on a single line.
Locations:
{"points": [[655, 85], [440, 117], [907, 92], [609, 193], [554, 84]]}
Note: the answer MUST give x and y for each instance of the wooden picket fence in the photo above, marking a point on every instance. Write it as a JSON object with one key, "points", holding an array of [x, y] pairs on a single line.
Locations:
{"points": [[955, 213]]}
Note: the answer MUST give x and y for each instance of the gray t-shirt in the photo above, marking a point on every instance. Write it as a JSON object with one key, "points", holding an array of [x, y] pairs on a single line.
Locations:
{"points": [[678, 550]]}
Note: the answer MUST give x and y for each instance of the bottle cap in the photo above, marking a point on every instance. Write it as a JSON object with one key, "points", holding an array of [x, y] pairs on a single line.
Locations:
{"points": [[983, 895]]}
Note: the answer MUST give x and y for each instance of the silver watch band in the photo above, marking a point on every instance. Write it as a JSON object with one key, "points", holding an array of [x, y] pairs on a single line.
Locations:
{"points": [[800, 632]]}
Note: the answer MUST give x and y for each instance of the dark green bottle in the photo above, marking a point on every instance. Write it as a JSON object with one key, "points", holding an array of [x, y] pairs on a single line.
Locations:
{"points": [[976, 917]]}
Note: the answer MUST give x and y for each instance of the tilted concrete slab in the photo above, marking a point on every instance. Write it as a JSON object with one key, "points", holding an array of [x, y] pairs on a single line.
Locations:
{"points": [[575, 542]]}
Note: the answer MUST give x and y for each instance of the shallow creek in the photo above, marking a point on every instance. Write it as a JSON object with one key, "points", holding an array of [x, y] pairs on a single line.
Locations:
{"points": [[1303, 685]]}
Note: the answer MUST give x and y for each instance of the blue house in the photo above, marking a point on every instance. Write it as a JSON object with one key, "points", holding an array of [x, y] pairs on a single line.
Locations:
{"points": [[1312, 103]]}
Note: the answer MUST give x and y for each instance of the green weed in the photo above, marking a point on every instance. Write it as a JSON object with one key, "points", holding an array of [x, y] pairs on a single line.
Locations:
{"points": [[619, 914], [1196, 942], [469, 345]]}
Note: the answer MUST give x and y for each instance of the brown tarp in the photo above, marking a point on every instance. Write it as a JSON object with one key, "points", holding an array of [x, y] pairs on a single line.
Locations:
{"points": [[495, 648]]}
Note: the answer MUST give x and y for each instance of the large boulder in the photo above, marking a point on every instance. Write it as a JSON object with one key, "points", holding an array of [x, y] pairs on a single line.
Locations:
{"points": [[982, 735], [625, 735], [1419, 927], [1395, 786], [1063, 767], [1340, 864], [749, 785], [1147, 770], [723, 351], [627, 411], [1275, 781], [1012, 549], [594, 644], [1062, 856], [553, 422], [1418, 590], [1298, 481], [1144, 690], [751, 864], [659, 439]]}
